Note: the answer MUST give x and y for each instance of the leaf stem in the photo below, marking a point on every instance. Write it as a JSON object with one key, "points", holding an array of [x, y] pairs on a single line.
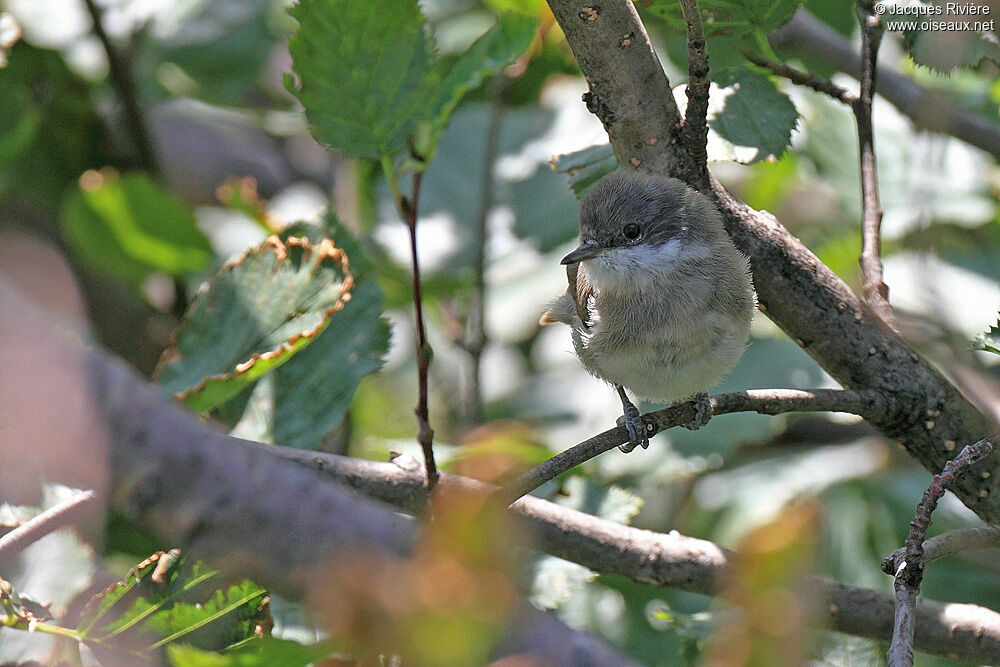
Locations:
{"points": [[408, 209]]}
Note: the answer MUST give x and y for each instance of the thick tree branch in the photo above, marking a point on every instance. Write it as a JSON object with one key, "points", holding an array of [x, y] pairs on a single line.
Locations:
{"points": [[695, 132], [875, 290], [51, 519], [763, 401], [966, 631], [909, 570], [806, 35], [796, 290], [628, 90]]}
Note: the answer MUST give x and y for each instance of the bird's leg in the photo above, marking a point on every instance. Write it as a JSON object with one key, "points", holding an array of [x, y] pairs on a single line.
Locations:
{"points": [[702, 411], [635, 426]]}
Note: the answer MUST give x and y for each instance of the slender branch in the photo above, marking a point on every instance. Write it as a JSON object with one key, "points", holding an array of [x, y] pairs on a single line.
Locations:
{"points": [[764, 401], [124, 83], [800, 78], [808, 36], [909, 570], [51, 519], [695, 131], [947, 544], [475, 325], [875, 290], [408, 209]]}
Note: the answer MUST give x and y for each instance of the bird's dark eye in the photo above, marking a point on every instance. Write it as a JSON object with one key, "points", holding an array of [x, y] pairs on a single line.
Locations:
{"points": [[631, 231]]}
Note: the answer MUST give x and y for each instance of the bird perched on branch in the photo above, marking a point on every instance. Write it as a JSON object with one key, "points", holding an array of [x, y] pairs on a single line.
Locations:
{"points": [[659, 298]]}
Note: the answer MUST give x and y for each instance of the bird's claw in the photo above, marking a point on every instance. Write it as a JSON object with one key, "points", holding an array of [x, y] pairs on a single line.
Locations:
{"points": [[702, 412], [636, 430]]}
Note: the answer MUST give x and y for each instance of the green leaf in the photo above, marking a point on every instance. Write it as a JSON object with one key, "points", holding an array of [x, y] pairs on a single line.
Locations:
{"points": [[944, 50], [311, 392], [989, 341], [362, 72], [257, 652], [499, 47], [129, 227], [252, 317], [755, 113], [735, 18], [545, 211], [164, 600], [586, 167]]}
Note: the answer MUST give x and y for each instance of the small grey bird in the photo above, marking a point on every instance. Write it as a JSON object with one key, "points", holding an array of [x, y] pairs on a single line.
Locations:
{"points": [[659, 298]]}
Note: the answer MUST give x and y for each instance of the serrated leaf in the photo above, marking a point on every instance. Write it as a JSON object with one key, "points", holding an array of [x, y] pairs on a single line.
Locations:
{"points": [[311, 392], [362, 72], [252, 316], [755, 113], [500, 46], [944, 50], [129, 226], [607, 502], [163, 600], [989, 341], [586, 167], [257, 652]]}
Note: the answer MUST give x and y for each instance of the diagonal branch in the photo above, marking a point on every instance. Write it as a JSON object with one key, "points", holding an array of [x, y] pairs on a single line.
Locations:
{"points": [[806, 35], [795, 289], [763, 401], [51, 519], [800, 78], [695, 131], [875, 290]]}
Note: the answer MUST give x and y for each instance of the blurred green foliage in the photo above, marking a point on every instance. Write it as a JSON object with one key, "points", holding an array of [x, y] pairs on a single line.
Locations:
{"points": [[480, 119]]}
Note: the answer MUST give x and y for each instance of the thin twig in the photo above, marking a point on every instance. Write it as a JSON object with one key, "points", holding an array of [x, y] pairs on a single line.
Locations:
{"points": [[867, 403], [955, 541], [408, 209], [798, 77], [124, 84], [51, 519], [875, 290], [475, 324], [695, 132], [909, 570]]}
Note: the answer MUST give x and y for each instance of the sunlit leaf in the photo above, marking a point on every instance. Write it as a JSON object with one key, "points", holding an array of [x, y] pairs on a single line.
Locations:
{"points": [[129, 226], [755, 113], [989, 341], [253, 316], [362, 73], [586, 167], [255, 652]]}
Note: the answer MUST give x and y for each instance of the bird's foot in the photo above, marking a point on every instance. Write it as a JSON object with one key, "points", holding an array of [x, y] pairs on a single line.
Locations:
{"points": [[702, 412], [633, 424]]}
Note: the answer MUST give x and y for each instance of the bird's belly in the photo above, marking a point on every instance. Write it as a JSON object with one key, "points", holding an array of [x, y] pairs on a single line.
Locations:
{"points": [[668, 368]]}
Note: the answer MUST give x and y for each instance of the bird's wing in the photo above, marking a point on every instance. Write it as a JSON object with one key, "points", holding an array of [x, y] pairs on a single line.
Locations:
{"points": [[583, 292]]}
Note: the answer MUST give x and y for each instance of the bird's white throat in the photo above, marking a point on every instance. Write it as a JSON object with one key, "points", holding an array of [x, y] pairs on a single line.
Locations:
{"points": [[635, 266]]}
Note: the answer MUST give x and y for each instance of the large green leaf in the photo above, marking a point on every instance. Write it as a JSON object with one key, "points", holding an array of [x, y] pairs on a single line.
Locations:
{"points": [[586, 167], [163, 600], [253, 316], [488, 55], [362, 70], [755, 113], [129, 226], [311, 392]]}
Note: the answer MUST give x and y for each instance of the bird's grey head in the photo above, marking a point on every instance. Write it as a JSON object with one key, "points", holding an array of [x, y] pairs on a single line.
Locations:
{"points": [[630, 219]]}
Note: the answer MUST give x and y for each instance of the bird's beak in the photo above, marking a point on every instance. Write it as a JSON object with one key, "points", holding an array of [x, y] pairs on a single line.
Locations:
{"points": [[586, 250]]}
